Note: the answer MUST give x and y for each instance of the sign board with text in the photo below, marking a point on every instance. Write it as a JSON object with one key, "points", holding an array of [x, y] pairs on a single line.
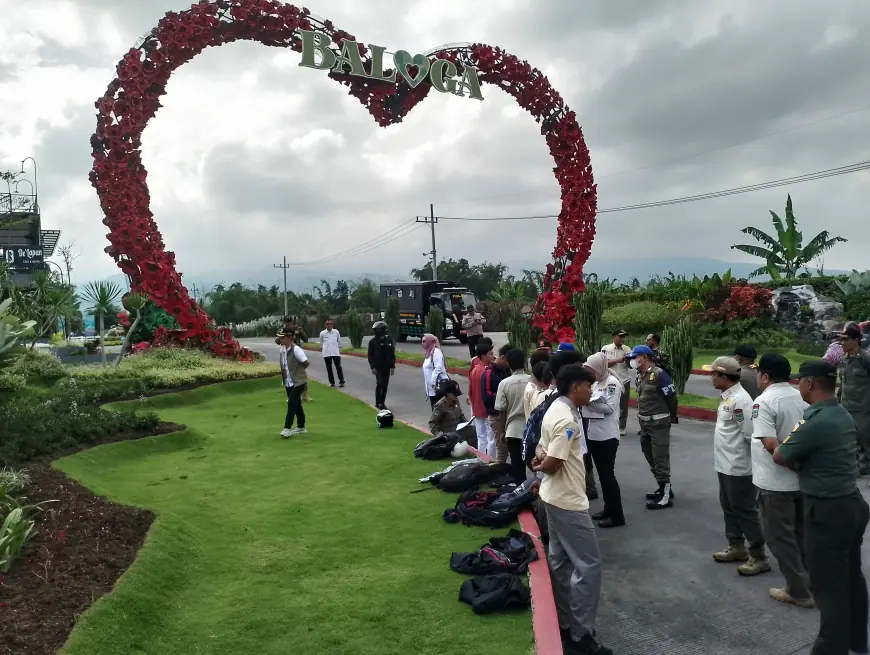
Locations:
{"points": [[22, 258]]}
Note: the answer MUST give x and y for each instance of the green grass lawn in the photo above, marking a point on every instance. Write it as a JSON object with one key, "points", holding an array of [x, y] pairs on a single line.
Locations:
{"points": [[691, 400], [262, 545], [705, 357]]}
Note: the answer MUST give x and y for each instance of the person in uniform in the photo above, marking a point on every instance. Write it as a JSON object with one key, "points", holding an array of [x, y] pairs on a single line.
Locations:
{"points": [[733, 462], [746, 356], [775, 412], [656, 411], [616, 359], [382, 361], [821, 448], [854, 391]]}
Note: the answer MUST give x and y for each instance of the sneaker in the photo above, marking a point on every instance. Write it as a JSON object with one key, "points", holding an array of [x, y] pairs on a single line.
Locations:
{"points": [[622, 433], [332, 384], [783, 596], [754, 566], [341, 384], [655, 494], [299, 431], [286, 433], [731, 554], [663, 499], [586, 646]]}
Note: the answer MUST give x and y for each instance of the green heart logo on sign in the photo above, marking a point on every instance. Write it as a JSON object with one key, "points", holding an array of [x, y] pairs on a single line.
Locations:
{"points": [[404, 61]]}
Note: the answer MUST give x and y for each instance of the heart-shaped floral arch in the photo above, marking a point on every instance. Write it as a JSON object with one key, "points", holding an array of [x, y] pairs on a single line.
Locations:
{"points": [[133, 98]]}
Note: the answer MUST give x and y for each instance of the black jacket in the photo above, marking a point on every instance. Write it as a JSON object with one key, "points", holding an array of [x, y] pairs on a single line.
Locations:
{"points": [[489, 382], [382, 353]]}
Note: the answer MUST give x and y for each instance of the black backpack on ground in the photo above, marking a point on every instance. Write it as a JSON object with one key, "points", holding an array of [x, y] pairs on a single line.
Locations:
{"points": [[473, 508], [493, 593], [438, 447], [510, 554]]}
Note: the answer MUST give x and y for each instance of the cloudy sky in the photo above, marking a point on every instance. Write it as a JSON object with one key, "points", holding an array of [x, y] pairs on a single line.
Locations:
{"points": [[253, 158]]}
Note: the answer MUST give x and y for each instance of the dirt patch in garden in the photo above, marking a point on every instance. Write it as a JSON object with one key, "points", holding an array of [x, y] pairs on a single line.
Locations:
{"points": [[84, 544]]}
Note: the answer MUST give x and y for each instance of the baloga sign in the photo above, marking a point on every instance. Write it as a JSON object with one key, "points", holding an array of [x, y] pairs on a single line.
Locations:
{"points": [[442, 74]]}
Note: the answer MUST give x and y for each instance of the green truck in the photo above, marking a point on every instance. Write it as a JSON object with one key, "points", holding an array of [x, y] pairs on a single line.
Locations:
{"points": [[416, 299]]}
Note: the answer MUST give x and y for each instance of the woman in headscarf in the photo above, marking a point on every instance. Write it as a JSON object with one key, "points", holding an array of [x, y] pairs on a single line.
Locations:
{"points": [[434, 371], [603, 437]]}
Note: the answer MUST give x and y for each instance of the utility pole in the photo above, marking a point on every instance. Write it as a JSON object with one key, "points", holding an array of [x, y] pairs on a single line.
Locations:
{"points": [[285, 266], [431, 220]]}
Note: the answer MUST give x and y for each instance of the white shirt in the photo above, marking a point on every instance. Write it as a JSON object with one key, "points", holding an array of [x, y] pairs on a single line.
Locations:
{"points": [[731, 454], [433, 371], [282, 358], [622, 371], [775, 413], [330, 343], [510, 398], [609, 392]]}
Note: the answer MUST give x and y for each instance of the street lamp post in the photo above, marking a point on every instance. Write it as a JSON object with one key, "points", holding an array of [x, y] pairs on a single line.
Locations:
{"points": [[35, 181]]}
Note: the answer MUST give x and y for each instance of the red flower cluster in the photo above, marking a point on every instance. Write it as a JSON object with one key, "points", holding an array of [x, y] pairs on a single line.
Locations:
{"points": [[743, 301], [133, 98], [124, 320]]}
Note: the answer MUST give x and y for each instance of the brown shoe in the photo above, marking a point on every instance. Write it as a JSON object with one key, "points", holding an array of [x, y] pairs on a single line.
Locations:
{"points": [[783, 596], [731, 554], [754, 566]]}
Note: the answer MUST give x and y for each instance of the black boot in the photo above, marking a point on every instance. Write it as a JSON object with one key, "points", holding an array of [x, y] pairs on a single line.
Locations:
{"points": [[603, 514], [663, 499], [655, 494]]}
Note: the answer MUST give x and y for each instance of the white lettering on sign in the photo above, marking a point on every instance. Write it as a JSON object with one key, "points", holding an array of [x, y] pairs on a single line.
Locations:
{"points": [[443, 75]]}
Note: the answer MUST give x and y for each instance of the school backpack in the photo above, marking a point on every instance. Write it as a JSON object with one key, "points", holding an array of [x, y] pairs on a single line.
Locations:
{"points": [[463, 478], [438, 447], [385, 418], [473, 508], [532, 431]]}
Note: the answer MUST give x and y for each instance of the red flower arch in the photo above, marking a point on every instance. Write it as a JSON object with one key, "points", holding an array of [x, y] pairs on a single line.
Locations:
{"points": [[133, 98]]}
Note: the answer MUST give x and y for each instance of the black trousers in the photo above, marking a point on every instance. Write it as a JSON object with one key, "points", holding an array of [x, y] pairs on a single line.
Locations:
{"points": [[330, 361], [294, 406], [604, 455], [472, 345], [382, 383], [834, 533], [518, 467]]}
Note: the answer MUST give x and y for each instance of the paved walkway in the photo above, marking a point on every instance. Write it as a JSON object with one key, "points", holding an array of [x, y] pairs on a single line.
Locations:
{"points": [[663, 594]]}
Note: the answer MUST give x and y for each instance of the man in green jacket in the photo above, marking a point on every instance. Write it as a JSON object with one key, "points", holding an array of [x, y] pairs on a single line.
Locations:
{"points": [[855, 390]]}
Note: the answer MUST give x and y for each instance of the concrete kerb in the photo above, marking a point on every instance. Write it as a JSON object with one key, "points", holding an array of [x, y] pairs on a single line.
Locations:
{"points": [[698, 413]]}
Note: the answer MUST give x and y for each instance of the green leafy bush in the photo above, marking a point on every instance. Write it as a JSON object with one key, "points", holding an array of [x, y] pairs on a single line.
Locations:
{"points": [[355, 330], [392, 319], [858, 306], [639, 317], [678, 341], [519, 329], [13, 480], [588, 319], [754, 331], [11, 382], [152, 318], [435, 322], [35, 364], [15, 532], [811, 349]]}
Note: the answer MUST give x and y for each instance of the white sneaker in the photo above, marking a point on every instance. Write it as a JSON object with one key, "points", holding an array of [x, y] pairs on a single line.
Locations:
{"points": [[286, 433], [299, 431], [622, 433]]}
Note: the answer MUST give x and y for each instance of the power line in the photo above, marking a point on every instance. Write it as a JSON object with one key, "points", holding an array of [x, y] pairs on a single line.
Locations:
{"points": [[668, 162], [807, 177], [373, 244]]}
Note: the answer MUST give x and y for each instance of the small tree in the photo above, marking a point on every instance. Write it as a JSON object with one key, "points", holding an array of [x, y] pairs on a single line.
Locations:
{"points": [[587, 321], [677, 341], [435, 322], [102, 297], [133, 303], [355, 329], [391, 318], [519, 329]]}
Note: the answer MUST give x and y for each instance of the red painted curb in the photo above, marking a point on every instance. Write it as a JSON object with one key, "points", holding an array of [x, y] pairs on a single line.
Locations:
{"points": [[545, 620]]}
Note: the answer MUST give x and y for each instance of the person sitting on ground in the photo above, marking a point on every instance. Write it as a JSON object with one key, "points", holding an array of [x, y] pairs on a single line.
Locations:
{"points": [[447, 414]]}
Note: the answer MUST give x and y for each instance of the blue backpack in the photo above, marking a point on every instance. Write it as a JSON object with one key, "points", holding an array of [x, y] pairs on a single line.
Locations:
{"points": [[532, 431]]}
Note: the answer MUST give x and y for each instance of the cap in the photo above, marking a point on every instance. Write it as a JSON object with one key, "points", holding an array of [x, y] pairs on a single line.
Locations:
{"points": [[745, 351], [850, 331], [283, 333], [640, 350], [774, 365], [565, 346], [620, 333], [724, 365], [817, 368]]}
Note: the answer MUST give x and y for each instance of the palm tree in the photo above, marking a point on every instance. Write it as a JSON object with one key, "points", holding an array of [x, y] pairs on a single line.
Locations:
{"points": [[102, 297], [133, 303], [786, 254]]}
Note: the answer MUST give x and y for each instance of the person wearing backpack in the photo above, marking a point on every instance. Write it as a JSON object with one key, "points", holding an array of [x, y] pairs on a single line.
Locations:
{"points": [[573, 554]]}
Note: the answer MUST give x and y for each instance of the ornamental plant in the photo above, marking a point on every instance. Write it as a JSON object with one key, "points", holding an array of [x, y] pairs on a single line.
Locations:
{"points": [[392, 319], [355, 330], [678, 341], [588, 321], [743, 301], [133, 98]]}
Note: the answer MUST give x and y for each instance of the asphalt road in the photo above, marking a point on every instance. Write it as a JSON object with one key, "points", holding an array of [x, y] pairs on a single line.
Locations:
{"points": [[698, 385], [663, 593]]}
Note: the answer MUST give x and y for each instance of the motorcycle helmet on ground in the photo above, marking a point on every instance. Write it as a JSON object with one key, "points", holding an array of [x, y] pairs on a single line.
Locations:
{"points": [[385, 418]]}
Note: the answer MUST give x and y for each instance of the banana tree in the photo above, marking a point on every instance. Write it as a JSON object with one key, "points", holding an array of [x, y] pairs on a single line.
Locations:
{"points": [[785, 255], [133, 303], [102, 297], [509, 291]]}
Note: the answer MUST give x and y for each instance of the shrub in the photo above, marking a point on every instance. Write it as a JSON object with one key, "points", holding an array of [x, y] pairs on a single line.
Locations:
{"points": [[355, 329], [811, 348], [435, 322], [678, 342], [266, 326], [588, 319], [754, 331], [57, 338], [743, 301], [12, 480], [392, 319], [34, 364], [11, 382], [519, 329], [858, 306], [639, 317]]}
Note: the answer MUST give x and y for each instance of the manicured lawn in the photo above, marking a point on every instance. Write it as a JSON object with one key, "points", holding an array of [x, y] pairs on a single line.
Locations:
{"points": [[704, 357], [262, 545], [691, 400]]}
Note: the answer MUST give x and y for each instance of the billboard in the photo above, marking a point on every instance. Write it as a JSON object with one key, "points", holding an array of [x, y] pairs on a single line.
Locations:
{"points": [[22, 258]]}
